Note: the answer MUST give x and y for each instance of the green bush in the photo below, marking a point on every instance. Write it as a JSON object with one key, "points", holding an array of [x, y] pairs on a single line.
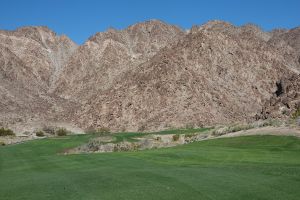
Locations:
{"points": [[237, 128], [2, 143], [61, 132], [40, 133], [296, 114], [6, 132], [103, 130], [189, 135], [175, 137]]}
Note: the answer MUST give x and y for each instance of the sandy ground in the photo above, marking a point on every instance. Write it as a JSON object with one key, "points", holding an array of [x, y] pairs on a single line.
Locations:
{"points": [[283, 131], [15, 139]]}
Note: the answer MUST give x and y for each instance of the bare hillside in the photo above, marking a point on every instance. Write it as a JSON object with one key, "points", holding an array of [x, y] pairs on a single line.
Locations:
{"points": [[149, 76]]}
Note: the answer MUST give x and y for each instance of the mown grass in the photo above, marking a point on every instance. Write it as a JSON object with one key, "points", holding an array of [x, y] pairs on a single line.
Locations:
{"points": [[252, 167]]}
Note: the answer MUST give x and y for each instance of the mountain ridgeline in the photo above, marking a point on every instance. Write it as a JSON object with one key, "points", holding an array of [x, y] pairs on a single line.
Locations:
{"points": [[149, 76]]}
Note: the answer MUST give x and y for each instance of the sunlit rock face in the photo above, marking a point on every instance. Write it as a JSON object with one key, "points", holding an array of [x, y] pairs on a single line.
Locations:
{"points": [[148, 76]]}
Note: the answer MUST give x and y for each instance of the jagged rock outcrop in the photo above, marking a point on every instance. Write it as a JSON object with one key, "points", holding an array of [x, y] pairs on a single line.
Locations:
{"points": [[40, 49], [285, 100], [31, 59], [149, 76], [207, 77], [105, 56], [289, 41], [291, 37]]}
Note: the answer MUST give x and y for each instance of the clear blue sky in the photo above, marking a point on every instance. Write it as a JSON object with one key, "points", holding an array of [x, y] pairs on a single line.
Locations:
{"points": [[80, 19]]}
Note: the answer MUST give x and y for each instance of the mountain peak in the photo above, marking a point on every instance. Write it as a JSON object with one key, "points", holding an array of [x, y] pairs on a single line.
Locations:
{"points": [[150, 75]]}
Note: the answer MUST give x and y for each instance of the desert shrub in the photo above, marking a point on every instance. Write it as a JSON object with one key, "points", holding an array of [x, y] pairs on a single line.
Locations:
{"points": [[296, 114], [103, 130], [200, 125], [231, 129], [61, 132], [158, 138], [273, 122], [6, 132], [189, 135], [214, 132], [135, 147], [268, 122], [220, 131], [175, 137], [236, 128], [40, 133]]}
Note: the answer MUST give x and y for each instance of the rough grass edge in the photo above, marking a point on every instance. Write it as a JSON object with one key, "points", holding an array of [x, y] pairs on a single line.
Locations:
{"points": [[241, 127]]}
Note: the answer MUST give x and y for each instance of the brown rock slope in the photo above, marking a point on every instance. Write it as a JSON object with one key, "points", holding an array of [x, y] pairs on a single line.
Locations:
{"points": [[289, 40], [19, 88], [40, 49], [31, 59], [217, 73], [106, 55], [149, 76]]}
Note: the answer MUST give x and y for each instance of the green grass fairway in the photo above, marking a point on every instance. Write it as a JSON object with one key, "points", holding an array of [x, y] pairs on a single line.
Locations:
{"points": [[242, 168]]}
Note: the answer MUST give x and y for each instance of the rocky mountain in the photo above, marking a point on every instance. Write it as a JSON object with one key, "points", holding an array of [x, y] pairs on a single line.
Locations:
{"points": [[289, 40], [31, 60], [105, 56], [149, 76]]}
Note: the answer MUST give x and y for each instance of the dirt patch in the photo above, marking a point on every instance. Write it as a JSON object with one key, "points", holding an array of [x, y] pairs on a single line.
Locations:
{"points": [[15, 139], [279, 131]]}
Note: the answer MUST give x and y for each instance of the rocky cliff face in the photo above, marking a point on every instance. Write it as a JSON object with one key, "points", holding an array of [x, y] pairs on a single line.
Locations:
{"points": [[209, 76], [105, 56], [31, 60], [41, 50], [150, 76]]}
